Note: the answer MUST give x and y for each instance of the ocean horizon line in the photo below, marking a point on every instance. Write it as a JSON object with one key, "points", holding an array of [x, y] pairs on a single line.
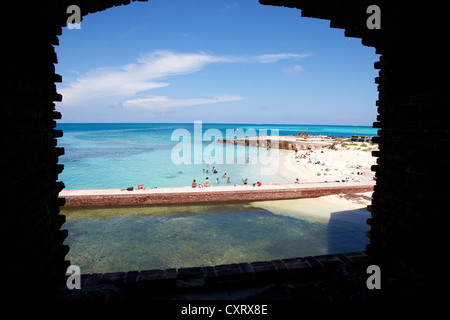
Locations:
{"points": [[228, 123]]}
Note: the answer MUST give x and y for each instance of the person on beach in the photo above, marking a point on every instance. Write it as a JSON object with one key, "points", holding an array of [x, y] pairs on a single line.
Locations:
{"points": [[297, 181], [229, 180], [248, 160], [207, 183], [194, 184]]}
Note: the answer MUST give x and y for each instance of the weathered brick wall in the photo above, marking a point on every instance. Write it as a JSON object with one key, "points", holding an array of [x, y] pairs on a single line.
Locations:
{"points": [[409, 220], [175, 283], [208, 195], [32, 242]]}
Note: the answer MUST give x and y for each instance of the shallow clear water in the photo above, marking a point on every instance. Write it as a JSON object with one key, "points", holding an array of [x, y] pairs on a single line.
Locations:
{"points": [[122, 239]]}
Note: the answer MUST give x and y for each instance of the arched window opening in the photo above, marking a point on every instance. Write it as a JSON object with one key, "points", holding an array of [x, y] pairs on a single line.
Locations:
{"points": [[142, 80]]}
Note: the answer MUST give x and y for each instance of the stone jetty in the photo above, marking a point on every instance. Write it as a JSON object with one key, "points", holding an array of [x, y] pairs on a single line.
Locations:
{"points": [[302, 141]]}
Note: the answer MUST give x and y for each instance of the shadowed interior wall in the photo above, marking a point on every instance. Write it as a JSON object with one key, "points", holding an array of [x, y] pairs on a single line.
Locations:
{"points": [[408, 225]]}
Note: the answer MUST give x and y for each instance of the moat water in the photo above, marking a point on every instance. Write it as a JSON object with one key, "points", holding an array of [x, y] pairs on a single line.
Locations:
{"points": [[123, 239]]}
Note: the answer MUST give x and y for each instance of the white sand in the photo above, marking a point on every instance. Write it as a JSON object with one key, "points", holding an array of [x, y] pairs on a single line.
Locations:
{"points": [[340, 164], [321, 208]]}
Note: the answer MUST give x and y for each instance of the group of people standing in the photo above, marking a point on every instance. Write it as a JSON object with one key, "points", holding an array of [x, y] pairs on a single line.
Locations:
{"points": [[207, 182]]}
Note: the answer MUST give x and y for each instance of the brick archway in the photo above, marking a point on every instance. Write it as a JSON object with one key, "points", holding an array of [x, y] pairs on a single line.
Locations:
{"points": [[407, 219]]}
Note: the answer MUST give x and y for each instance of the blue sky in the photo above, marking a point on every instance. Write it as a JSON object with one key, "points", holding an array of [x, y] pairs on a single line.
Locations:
{"points": [[214, 61]]}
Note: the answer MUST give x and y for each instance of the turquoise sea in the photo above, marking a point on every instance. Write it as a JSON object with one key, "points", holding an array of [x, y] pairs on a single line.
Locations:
{"points": [[117, 155], [122, 239]]}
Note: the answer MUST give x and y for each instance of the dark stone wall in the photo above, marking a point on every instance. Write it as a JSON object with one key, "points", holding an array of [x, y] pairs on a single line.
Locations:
{"points": [[408, 224], [32, 242]]}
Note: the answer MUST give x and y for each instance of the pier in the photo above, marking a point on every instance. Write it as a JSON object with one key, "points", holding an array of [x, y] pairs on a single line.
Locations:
{"points": [[300, 141], [215, 194]]}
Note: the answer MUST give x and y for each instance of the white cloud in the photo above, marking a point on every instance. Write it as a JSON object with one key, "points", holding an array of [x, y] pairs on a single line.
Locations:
{"points": [[161, 102], [231, 6], [294, 69], [118, 83], [273, 58], [121, 85]]}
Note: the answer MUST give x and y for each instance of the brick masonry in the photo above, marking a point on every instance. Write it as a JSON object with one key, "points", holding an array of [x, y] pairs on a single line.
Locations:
{"points": [[207, 279], [206, 195]]}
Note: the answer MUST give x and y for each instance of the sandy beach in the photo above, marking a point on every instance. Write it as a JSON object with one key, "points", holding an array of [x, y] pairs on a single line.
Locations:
{"points": [[322, 208], [346, 162], [350, 162]]}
